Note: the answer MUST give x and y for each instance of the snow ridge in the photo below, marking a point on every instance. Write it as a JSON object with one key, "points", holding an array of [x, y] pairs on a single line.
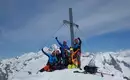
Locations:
{"points": [[26, 66]]}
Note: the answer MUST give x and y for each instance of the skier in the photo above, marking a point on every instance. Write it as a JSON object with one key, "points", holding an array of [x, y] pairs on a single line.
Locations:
{"points": [[77, 45], [67, 58], [62, 48], [58, 56], [51, 62], [59, 64], [74, 59]]}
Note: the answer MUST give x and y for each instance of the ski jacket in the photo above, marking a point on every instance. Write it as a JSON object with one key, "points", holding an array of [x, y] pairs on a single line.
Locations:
{"points": [[74, 59], [59, 58], [63, 47], [67, 58], [77, 46], [52, 59]]}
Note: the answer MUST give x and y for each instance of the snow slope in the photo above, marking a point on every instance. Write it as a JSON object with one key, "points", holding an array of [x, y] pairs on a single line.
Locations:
{"points": [[26, 66], [64, 75]]}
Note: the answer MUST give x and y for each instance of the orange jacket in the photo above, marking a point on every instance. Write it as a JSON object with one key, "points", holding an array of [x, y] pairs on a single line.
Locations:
{"points": [[74, 60]]}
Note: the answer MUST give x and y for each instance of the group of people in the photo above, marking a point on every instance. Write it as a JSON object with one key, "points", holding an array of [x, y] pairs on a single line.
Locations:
{"points": [[67, 57]]}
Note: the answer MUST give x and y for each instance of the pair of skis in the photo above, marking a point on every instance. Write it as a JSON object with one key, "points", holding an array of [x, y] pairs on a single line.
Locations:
{"points": [[102, 74]]}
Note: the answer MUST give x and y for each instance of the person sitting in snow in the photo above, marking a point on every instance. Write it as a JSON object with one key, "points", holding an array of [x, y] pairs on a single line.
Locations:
{"points": [[59, 64], [58, 56], [67, 59], [77, 45], [51, 62]]}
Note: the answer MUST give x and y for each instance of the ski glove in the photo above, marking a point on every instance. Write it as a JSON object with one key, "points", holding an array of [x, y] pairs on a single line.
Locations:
{"points": [[55, 37]]}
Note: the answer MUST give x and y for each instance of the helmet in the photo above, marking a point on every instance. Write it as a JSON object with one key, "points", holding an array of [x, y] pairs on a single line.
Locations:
{"points": [[71, 48], [57, 51], [76, 40], [54, 52], [64, 42]]}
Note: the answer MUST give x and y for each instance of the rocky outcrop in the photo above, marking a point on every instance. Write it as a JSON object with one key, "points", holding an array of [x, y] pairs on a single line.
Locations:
{"points": [[3, 76], [115, 64]]}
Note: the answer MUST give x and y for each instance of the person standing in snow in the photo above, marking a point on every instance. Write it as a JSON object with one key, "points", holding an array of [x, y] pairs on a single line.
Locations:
{"points": [[74, 60], [51, 62], [77, 45], [62, 48]]}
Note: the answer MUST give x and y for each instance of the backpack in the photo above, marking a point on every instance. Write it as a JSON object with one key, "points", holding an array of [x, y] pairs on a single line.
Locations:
{"points": [[90, 69]]}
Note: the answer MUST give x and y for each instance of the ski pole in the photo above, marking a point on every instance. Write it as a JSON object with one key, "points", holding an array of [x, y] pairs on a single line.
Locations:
{"points": [[106, 73]]}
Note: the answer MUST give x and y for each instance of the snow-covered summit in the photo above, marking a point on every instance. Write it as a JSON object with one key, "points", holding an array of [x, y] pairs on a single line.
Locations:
{"points": [[25, 67]]}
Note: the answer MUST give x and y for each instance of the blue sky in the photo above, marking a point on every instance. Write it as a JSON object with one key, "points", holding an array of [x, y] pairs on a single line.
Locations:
{"points": [[25, 25]]}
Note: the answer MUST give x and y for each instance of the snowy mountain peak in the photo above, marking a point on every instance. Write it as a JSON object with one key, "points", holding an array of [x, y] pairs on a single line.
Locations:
{"points": [[51, 49], [25, 67]]}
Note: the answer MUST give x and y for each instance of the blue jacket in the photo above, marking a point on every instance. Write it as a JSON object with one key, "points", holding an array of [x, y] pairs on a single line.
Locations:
{"points": [[63, 47], [52, 59], [77, 46]]}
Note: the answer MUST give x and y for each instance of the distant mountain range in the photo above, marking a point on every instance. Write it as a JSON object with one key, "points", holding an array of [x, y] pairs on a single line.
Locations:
{"points": [[26, 66]]}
